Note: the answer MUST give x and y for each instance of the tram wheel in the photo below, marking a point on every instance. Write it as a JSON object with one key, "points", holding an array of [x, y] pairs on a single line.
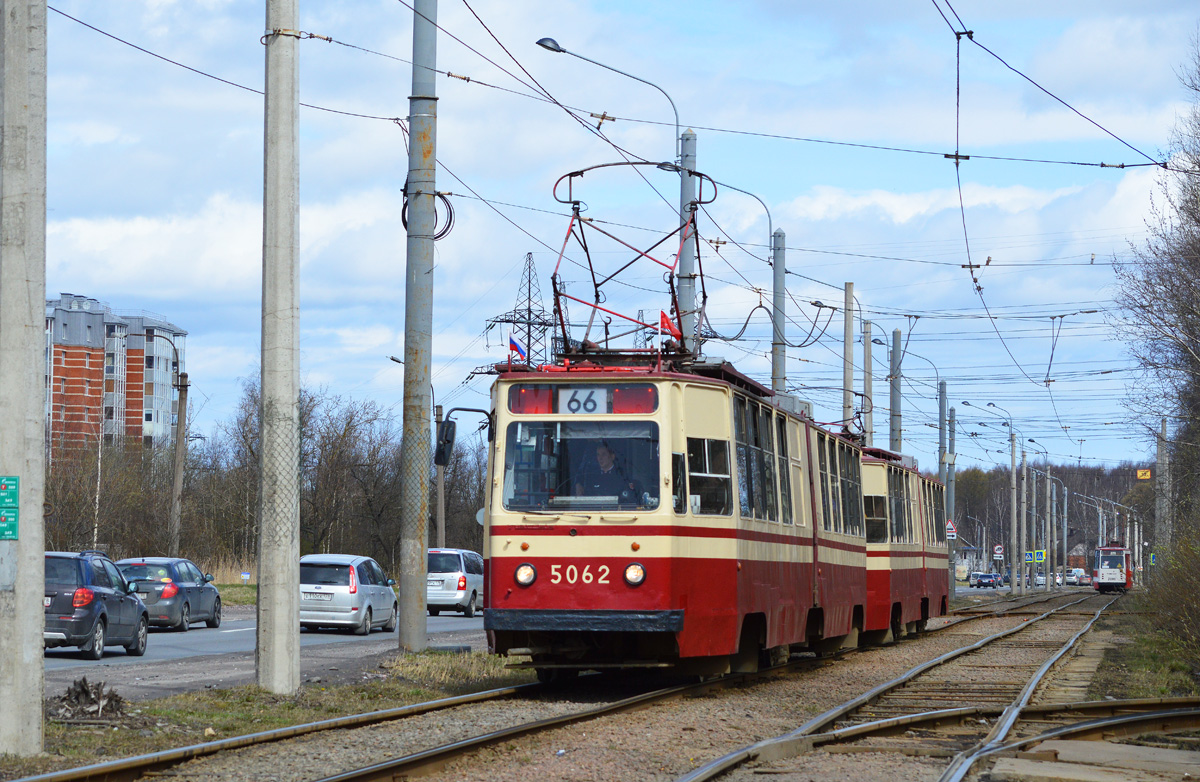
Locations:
{"points": [[556, 675]]}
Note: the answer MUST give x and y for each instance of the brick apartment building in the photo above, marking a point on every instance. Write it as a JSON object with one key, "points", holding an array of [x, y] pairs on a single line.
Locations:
{"points": [[108, 373]]}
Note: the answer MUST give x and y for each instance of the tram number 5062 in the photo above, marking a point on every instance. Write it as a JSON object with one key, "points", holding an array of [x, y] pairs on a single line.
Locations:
{"points": [[582, 401], [573, 575]]}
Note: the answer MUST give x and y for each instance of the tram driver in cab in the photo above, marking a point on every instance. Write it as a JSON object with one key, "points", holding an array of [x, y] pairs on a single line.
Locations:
{"points": [[606, 478]]}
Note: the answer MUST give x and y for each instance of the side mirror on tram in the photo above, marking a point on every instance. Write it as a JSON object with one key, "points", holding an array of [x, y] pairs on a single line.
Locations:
{"points": [[445, 443]]}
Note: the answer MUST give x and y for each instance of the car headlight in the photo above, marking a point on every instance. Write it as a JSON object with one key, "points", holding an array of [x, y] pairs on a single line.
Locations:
{"points": [[634, 574], [526, 574]]}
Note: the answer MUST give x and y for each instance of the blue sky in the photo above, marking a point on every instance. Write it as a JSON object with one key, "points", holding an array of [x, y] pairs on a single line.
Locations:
{"points": [[155, 185]]}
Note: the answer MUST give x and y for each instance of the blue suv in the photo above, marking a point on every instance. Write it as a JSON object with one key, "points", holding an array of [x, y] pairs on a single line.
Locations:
{"points": [[89, 604]]}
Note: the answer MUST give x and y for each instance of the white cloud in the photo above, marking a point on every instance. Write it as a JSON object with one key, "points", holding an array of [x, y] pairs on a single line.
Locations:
{"points": [[90, 133], [831, 203], [217, 250]]}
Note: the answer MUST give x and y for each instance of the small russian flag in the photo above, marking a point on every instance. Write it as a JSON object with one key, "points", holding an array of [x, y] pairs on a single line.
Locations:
{"points": [[515, 346]]}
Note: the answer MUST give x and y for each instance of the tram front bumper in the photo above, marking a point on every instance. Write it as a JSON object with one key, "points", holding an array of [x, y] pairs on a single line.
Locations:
{"points": [[554, 620]]}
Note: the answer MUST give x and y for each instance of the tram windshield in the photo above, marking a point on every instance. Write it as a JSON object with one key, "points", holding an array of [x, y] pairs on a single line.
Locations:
{"points": [[1115, 561], [581, 465]]}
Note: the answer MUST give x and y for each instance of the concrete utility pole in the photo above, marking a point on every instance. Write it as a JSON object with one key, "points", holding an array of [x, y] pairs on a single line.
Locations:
{"points": [[778, 312], [950, 469], [895, 441], [1046, 532], [1033, 514], [1162, 490], [418, 327], [868, 393], [848, 357], [277, 655], [1014, 556], [942, 430], [174, 520], [1052, 516], [686, 274], [1066, 502], [441, 489], [23, 367], [1024, 541], [948, 460]]}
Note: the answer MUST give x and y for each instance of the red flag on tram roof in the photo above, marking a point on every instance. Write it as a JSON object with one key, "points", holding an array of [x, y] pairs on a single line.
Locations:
{"points": [[666, 325]]}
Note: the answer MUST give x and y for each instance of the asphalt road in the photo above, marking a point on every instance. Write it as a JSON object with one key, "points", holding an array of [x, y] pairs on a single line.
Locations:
{"points": [[237, 635]]}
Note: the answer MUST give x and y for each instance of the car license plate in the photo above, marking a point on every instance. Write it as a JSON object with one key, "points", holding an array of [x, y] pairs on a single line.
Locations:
{"points": [[46, 601], [435, 582], [318, 596]]}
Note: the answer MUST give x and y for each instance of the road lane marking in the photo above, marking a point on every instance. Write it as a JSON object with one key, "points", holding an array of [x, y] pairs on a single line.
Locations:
{"points": [[236, 630]]}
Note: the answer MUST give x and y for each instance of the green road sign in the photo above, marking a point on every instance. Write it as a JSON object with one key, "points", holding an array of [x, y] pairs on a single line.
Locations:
{"points": [[8, 491], [8, 523]]}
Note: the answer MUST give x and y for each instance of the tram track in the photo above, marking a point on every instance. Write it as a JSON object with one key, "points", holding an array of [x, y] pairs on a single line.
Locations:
{"points": [[918, 709], [155, 763]]}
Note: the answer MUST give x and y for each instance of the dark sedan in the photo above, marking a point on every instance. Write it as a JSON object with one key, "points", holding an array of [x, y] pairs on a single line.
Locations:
{"points": [[988, 580], [89, 604], [174, 591]]}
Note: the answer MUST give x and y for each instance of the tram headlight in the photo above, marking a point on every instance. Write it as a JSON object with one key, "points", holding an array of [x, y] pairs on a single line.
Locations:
{"points": [[635, 574], [526, 574]]}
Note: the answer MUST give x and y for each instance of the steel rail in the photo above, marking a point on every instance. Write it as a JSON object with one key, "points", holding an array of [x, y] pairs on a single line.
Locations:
{"points": [[438, 756], [134, 767], [925, 718], [1120, 724], [961, 765], [435, 757], [801, 739]]}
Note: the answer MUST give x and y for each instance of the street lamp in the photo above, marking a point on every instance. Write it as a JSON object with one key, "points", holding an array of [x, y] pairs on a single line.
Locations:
{"points": [[1016, 557], [1033, 522], [779, 270], [685, 162], [551, 45], [174, 522]]}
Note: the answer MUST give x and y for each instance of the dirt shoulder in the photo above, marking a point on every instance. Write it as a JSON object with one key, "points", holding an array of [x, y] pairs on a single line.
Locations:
{"points": [[329, 664]]}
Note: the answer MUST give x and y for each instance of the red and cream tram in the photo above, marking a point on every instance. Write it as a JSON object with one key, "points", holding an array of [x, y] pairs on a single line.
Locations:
{"points": [[640, 517]]}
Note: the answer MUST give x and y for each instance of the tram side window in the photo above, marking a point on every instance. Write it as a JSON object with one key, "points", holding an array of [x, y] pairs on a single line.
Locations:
{"points": [[679, 487], [766, 462], [851, 489], [823, 479], [927, 512], [939, 513], [785, 486], [910, 510], [755, 460], [897, 504], [745, 474], [876, 508], [708, 477], [830, 478]]}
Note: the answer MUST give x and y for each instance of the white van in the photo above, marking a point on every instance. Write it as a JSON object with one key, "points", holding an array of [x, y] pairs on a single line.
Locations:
{"points": [[454, 581]]}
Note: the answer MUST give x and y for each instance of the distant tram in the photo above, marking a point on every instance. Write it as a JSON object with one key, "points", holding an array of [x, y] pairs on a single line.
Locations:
{"points": [[1113, 569], [639, 517]]}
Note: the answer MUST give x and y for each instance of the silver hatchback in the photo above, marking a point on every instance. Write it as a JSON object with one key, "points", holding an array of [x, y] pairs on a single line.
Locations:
{"points": [[454, 582], [348, 592]]}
